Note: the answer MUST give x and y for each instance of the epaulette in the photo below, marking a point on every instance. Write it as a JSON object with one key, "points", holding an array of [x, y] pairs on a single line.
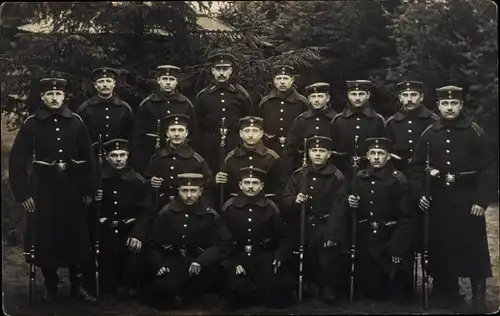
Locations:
{"points": [[126, 105], [264, 99], [145, 100], [361, 173], [339, 174], [477, 128], [29, 117], [389, 119], [426, 129], [298, 170], [273, 153], [335, 117], [83, 106], [140, 177], [78, 116], [383, 119], [435, 117], [212, 211], [303, 99], [400, 176], [186, 99], [227, 204], [273, 205], [229, 155], [202, 90], [198, 157], [164, 210], [245, 92]]}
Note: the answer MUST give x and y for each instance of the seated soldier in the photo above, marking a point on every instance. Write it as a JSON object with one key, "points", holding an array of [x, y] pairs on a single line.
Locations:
{"points": [[323, 188], [126, 209], [187, 243], [386, 226], [262, 244]]}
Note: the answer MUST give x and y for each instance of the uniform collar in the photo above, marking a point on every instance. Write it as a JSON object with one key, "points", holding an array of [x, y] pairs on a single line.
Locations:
{"points": [[158, 96], [126, 173], [290, 95], [185, 151], [241, 150], [327, 111], [462, 121], [214, 86], [327, 169], [384, 173], [242, 200], [97, 99], [178, 206], [44, 112], [422, 112], [366, 110]]}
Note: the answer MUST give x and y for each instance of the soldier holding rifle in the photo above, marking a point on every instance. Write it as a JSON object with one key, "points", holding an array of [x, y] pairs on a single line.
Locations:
{"points": [[62, 183], [459, 162]]}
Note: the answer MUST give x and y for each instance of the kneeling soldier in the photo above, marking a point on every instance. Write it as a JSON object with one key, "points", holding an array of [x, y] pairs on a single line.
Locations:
{"points": [[187, 243], [386, 226], [126, 209], [262, 243], [324, 190]]}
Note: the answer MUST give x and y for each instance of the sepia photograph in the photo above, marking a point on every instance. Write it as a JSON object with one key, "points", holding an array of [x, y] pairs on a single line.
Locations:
{"points": [[250, 157]]}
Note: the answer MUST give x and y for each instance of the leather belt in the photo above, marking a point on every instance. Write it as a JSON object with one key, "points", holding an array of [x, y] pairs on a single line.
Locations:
{"points": [[376, 225], [183, 250], [60, 165], [459, 177], [315, 219], [251, 247]]}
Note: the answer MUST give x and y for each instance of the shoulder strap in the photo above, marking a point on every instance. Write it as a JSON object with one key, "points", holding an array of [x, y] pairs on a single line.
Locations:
{"points": [[273, 205], [198, 157], [400, 176], [264, 99], [145, 100], [229, 155], [389, 119], [140, 177], [227, 204], [164, 210], [427, 129], [477, 128], [78, 116], [202, 90], [273, 153], [245, 92]]}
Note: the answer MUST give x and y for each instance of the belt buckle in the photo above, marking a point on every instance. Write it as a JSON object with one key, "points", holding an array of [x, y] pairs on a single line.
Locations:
{"points": [[183, 252], [449, 180], [374, 225], [282, 140], [61, 166], [248, 248], [114, 224]]}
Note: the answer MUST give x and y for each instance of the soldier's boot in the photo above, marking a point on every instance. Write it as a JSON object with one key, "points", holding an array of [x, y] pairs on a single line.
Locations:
{"points": [[51, 280], [328, 295], [77, 290], [446, 292], [478, 294]]}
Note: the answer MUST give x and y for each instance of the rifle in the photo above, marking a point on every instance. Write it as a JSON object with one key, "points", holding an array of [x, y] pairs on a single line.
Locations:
{"points": [[156, 198], [31, 225], [222, 155], [98, 212], [302, 223], [355, 167], [425, 255]]}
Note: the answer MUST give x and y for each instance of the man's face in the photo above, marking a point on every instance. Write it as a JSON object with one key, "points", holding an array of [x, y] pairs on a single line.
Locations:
{"points": [[319, 156], [222, 72], [190, 194], [177, 134], [251, 186], [105, 86], [117, 159], [283, 82], [411, 99], [377, 157], [167, 83], [319, 100], [53, 98], [450, 109], [358, 97], [251, 135]]}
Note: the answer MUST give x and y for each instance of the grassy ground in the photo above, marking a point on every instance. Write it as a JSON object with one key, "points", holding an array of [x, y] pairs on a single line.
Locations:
{"points": [[15, 278]]}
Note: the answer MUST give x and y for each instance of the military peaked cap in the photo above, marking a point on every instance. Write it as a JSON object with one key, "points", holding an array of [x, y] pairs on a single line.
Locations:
{"points": [[251, 172], [379, 143], [168, 70], [47, 84], [282, 70], [190, 179], [410, 85], [318, 87], [320, 142], [116, 144], [176, 119], [252, 121], [449, 92], [221, 58], [363, 85], [104, 73]]}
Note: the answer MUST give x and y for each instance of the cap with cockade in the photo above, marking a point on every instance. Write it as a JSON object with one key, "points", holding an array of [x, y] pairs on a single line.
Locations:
{"points": [[167, 70], [251, 121], [176, 119], [47, 84], [318, 87], [282, 70], [363, 85], [449, 92], [115, 144], [190, 179], [221, 58], [379, 143], [410, 86], [319, 142], [104, 73], [251, 172]]}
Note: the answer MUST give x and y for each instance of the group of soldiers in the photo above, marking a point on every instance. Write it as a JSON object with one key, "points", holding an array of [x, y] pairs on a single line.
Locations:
{"points": [[259, 204]]}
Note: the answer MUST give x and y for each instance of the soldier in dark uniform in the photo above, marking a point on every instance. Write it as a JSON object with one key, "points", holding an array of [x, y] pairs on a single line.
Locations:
{"points": [[324, 190], [176, 157], [105, 114], [251, 153], [262, 244], [166, 100], [386, 226], [219, 106], [188, 242], [358, 121], [313, 122], [125, 212], [459, 159], [280, 108], [62, 183], [405, 127]]}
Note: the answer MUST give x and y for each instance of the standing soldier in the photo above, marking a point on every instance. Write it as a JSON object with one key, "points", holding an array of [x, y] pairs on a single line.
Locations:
{"points": [[313, 122], [262, 244], [386, 226], [280, 108], [126, 209], [187, 245], [324, 190], [105, 114], [175, 157], [459, 159], [166, 100], [405, 127], [219, 106], [61, 185], [251, 153], [358, 121]]}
